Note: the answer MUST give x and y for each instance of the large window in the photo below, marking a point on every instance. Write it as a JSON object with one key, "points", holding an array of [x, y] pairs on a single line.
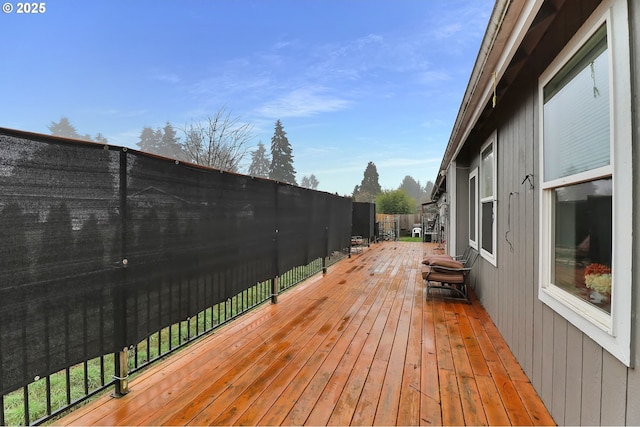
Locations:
{"points": [[585, 259], [488, 189], [473, 209]]}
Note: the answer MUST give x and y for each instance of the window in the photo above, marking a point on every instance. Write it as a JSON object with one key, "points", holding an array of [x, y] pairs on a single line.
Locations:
{"points": [[488, 189], [473, 209], [585, 164]]}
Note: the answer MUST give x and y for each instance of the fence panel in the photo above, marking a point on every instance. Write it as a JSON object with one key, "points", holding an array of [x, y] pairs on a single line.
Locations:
{"points": [[102, 246], [58, 211]]}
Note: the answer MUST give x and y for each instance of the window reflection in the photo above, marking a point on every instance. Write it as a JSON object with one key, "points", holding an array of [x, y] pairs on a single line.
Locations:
{"points": [[582, 218]]}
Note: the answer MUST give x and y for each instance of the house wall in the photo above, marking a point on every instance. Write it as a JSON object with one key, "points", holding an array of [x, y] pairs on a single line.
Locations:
{"points": [[580, 383]]}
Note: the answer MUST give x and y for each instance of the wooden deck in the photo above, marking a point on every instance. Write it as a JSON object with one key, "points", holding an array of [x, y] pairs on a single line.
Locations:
{"points": [[359, 346]]}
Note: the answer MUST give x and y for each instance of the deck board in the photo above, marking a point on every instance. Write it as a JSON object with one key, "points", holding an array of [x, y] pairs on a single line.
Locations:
{"points": [[358, 346]]}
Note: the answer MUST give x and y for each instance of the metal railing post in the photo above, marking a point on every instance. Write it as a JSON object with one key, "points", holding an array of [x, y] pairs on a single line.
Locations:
{"points": [[324, 265], [121, 360], [275, 285]]}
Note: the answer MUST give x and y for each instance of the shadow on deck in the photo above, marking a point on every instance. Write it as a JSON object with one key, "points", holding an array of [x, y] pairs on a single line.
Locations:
{"points": [[359, 346]]}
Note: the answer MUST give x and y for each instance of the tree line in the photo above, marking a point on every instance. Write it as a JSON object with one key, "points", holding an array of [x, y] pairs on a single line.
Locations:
{"points": [[219, 141], [406, 199]]}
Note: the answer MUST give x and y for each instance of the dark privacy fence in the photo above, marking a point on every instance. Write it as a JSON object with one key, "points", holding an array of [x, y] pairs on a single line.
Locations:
{"points": [[363, 220], [100, 246]]}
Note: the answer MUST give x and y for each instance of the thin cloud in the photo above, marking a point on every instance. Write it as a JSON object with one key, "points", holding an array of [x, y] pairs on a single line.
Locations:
{"points": [[448, 31], [304, 102], [285, 44], [167, 77], [115, 112], [407, 161], [433, 76], [227, 84]]}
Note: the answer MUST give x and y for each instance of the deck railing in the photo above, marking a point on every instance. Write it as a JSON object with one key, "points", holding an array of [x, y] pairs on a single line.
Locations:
{"points": [[46, 398], [112, 258]]}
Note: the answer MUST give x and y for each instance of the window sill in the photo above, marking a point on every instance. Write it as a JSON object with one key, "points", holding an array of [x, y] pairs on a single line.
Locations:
{"points": [[596, 324]]}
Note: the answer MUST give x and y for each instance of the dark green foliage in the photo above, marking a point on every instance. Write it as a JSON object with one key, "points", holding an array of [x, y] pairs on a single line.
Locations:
{"points": [[370, 183], [149, 140], [162, 142], [170, 143], [428, 188], [412, 188], [64, 128], [281, 157], [369, 188], [309, 182], [260, 163], [394, 202], [100, 138]]}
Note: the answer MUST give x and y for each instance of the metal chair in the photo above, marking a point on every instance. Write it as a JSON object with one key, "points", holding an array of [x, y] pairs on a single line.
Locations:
{"points": [[449, 275]]}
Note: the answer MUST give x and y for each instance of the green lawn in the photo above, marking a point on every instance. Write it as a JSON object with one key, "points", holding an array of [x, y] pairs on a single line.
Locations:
{"points": [[410, 239]]}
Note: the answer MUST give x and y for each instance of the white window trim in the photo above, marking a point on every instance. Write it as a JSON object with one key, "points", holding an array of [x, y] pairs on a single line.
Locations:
{"points": [[491, 257], [453, 211], [473, 210], [612, 332]]}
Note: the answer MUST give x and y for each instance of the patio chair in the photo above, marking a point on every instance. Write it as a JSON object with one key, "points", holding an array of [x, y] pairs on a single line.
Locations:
{"points": [[462, 258], [450, 275]]}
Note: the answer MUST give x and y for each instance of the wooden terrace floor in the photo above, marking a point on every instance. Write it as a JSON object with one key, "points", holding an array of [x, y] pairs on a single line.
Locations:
{"points": [[359, 346]]}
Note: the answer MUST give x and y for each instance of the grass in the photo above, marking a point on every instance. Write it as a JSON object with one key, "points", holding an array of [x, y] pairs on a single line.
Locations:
{"points": [[95, 374], [82, 377], [410, 239]]}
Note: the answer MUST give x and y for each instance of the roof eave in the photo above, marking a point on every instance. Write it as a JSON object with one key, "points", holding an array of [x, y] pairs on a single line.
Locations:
{"points": [[509, 23]]}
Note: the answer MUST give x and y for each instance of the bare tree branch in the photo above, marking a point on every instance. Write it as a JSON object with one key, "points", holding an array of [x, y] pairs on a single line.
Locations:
{"points": [[220, 141]]}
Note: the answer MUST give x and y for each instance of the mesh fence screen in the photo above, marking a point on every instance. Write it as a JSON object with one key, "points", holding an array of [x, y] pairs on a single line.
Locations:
{"points": [[364, 219], [100, 247]]}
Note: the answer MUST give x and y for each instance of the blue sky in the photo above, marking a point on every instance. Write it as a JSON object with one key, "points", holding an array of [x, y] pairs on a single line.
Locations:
{"points": [[352, 81]]}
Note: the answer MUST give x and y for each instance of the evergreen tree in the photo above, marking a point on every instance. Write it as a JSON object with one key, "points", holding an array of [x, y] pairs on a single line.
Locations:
{"points": [[260, 163], [309, 182], [412, 188], [64, 128], [101, 139], [162, 142], [281, 157], [149, 140], [370, 187], [431, 209], [428, 189], [169, 143]]}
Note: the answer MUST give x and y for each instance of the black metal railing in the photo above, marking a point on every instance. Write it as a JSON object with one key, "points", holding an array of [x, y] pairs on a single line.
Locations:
{"points": [[49, 397], [111, 258]]}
